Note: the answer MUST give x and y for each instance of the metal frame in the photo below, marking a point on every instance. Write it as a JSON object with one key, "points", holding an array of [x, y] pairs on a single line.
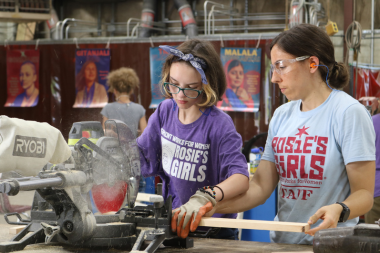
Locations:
{"points": [[125, 40]]}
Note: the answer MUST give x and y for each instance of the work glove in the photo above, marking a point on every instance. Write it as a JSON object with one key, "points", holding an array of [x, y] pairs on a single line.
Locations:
{"points": [[189, 215]]}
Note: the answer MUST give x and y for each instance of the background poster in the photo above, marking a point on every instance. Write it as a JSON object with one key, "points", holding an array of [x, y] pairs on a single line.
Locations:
{"points": [[242, 70], [22, 78], [157, 59], [91, 69]]}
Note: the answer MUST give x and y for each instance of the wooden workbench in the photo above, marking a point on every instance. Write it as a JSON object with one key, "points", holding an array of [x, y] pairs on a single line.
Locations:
{"points": [[200, 246]]}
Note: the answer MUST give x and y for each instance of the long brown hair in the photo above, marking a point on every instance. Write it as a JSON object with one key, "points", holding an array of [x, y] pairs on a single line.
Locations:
{"points": [[80, 80], [306, 39], [216, 86]]}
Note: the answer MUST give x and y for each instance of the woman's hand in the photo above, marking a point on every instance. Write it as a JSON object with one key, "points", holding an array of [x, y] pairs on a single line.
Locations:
{"points": [[189, 215], [330, 216]]}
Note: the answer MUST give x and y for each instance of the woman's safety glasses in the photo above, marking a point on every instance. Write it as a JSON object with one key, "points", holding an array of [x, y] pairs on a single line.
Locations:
{"points": [[174, 89], [283, 66]]}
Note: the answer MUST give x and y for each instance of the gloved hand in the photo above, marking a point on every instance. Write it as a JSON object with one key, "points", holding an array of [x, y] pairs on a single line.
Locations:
{"points": [[189, 215]]}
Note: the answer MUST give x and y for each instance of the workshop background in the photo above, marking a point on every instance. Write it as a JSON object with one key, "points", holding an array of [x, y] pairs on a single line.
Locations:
{"points": [[57, 28], [89, 24]]}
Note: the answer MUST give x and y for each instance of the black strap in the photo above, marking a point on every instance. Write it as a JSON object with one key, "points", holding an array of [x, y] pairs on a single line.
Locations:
{"points": [[221, 191]]}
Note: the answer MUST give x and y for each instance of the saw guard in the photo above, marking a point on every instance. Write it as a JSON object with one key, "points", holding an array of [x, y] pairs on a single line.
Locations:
{"points": [[116, 186]]}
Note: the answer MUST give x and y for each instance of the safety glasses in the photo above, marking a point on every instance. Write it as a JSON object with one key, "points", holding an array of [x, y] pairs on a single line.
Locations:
{"points": [[174, 89], [284, 66]]}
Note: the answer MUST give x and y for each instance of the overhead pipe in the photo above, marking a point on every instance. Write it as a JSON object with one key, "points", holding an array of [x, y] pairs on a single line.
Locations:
{"points": [[185, 12], [187, 17], [147, 17]]}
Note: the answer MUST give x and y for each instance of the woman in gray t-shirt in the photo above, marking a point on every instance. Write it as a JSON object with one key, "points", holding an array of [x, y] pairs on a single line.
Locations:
{"points": [[122, 82]]}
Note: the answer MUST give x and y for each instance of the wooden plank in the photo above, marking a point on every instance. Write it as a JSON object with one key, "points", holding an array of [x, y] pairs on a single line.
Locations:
{"points": [[144, 196], [16, 229], [254, 224]]}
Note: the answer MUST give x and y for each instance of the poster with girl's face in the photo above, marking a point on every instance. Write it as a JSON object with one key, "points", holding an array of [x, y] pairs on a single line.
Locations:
{"points": [[157, 58], [22, 78], [91, 70], [242, 68]]}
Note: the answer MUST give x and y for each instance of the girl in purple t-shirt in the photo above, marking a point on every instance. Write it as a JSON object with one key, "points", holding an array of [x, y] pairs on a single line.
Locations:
{"points": [[189, 143]]}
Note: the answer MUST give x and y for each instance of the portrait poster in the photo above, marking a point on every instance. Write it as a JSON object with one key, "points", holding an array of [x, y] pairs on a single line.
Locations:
{"points": [[242, 68], [22, 78], [157, 58], [91, 70]]}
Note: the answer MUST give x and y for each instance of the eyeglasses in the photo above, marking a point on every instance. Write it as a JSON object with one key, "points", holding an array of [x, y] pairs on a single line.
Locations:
{"points": [[174, 89], [283, 66]]}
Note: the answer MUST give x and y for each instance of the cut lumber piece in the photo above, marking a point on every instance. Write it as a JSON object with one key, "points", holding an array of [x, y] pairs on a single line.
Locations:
{"points": [[254, 224], [16, 229], [144, 196]]}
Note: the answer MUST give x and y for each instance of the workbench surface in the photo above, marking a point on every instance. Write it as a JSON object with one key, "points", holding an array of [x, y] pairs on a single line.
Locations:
{"points": [[200, 246]]}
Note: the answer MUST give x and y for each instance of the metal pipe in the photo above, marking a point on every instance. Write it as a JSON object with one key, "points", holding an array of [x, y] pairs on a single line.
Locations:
{"points": [[99, 19], [134, 29], [286, 14], [163, 14], [63, 25], [159, 39], [148, 14], [68, 28], [209, 17], [280, 17], [71, 20], [56, 32], [113, 17], [128, 22], [67, 32], [231, 6], [211, 14], [140, 21], [372, 28], [186, 14], [245, 16], [251, 27], [205, 11], [37, 184]]}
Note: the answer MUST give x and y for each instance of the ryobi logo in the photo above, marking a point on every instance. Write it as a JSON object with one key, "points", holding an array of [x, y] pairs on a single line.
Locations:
{"points": [[29, 146]]}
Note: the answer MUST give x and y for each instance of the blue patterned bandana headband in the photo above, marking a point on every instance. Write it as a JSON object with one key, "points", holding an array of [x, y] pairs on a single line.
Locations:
{"points": [[196, 62]]}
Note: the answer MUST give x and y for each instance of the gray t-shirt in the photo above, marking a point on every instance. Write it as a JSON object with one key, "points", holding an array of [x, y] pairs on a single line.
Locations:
{"points": [[311, 150], [130, 114]]}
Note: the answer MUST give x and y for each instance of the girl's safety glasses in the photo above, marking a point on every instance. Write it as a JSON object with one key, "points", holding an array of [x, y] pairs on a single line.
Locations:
{"points": [[174, 89], [283, 66]]}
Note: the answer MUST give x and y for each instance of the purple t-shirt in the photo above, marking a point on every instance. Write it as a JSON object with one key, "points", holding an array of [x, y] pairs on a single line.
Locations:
{"points": [[376, 124], [188, 157]]}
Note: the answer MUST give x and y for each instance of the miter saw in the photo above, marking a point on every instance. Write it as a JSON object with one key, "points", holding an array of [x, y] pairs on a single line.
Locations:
{"points": [[61, 210]]}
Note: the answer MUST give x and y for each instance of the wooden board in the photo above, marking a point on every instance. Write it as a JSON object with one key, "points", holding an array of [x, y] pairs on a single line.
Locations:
{"points": [[144, 196], [242, 223], [254, 224], [14, 230]]}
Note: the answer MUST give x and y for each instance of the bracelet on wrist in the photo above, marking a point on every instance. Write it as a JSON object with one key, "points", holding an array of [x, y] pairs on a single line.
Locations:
{"points": [[207, 192], [221, 191]]}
